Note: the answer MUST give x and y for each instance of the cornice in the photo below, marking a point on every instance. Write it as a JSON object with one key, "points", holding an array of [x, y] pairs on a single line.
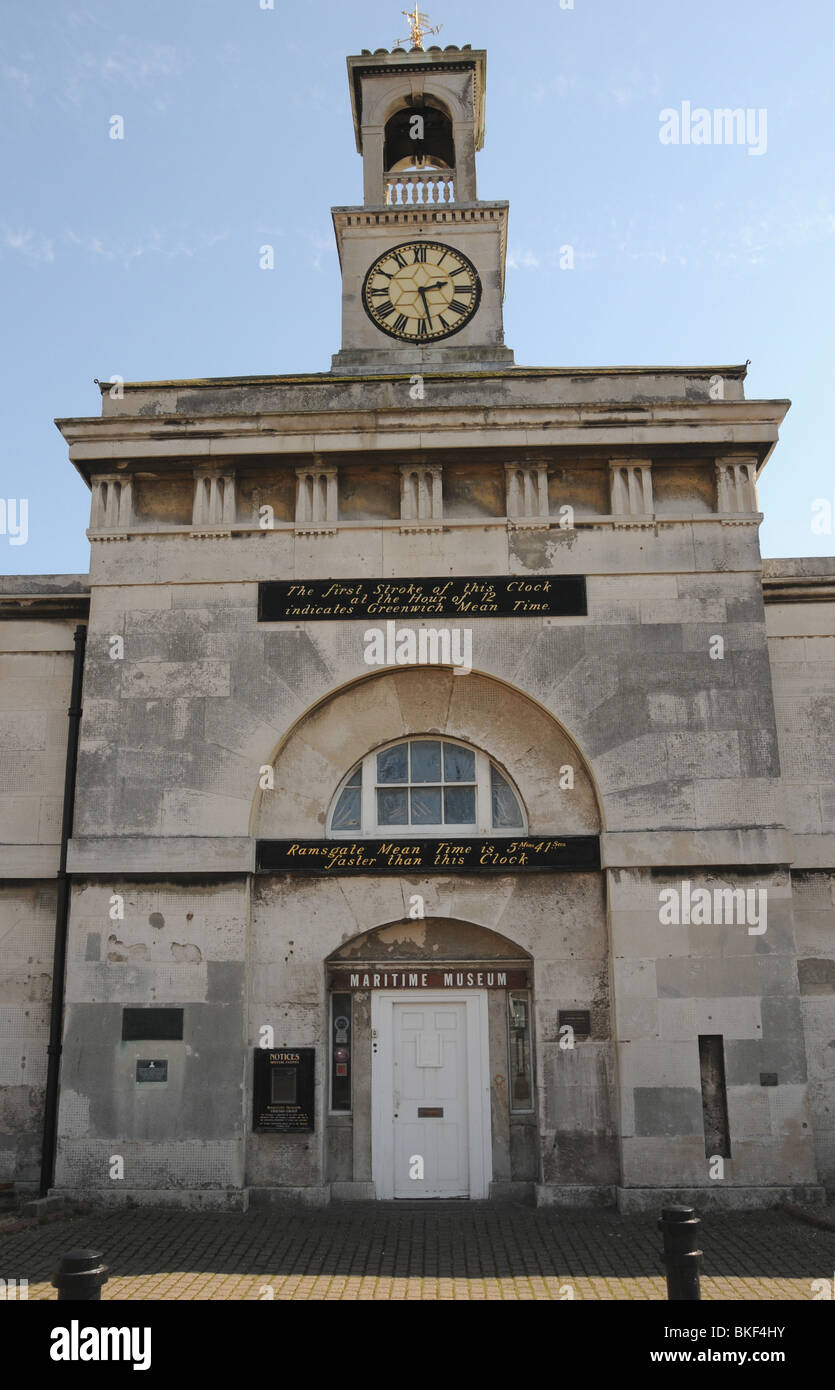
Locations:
{"points": [[809, 588]]}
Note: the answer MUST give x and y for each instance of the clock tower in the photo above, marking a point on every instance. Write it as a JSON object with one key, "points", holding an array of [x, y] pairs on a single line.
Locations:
{"points": [[423, 258]]}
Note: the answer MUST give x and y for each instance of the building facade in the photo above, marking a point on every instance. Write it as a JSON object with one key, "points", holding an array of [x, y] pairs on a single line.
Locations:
{"points": [[453, 806]]}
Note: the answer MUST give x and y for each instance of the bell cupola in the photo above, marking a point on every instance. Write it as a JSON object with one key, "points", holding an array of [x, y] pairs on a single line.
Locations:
{"points": [[422, 229]]}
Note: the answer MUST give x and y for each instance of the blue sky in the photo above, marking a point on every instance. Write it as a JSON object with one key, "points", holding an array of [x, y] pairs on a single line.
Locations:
{"points": [[141, 256]]}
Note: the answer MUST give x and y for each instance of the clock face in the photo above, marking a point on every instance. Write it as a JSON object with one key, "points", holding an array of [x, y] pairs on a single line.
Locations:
{"points": [[421, 291]]}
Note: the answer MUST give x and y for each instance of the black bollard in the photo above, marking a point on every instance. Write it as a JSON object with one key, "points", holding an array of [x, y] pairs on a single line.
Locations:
{"points": [[682, 1257], [80, 1275]]}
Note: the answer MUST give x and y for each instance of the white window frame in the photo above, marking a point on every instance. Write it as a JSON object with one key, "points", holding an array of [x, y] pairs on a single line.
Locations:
{"points": [[369, 829]]}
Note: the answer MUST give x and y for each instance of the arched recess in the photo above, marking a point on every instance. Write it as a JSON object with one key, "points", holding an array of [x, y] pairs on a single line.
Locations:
{"points": [[521, 736], [428, 938], [435, 147]]}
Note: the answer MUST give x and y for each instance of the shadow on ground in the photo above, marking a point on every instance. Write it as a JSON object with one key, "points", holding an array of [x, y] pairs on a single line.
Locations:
{"points": [[458, 1240]]}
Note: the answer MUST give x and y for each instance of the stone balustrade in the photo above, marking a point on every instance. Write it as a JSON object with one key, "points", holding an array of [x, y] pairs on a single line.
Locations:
{"points": [[420, 186]]}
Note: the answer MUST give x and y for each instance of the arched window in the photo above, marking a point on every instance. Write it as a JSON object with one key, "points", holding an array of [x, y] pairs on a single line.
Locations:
{"points": [[425, 786]]}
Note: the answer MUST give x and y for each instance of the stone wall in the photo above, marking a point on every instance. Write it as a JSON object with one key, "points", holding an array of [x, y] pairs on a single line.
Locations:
{"points": [[800, 615], [176, 944], [674, 748], [27, 934], [677, 981], [36, 659]]}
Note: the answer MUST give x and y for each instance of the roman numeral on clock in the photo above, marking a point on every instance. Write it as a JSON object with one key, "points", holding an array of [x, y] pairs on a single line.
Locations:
{"points": [[385, 309], [456, 307], [401, 260], [400, 323], [420, 254], [422, 329], [376, 293]]}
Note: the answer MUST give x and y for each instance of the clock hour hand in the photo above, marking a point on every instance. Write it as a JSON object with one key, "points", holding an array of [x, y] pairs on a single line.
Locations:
{"points": [[422, 293]]}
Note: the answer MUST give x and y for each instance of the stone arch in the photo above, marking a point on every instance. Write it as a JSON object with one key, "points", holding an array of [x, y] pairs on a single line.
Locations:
{"points": [[429, 938], [381, 108], [519, 734]]}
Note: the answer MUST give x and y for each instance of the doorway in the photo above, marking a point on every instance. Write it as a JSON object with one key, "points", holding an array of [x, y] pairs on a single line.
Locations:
{"points": [[430, 1094]]}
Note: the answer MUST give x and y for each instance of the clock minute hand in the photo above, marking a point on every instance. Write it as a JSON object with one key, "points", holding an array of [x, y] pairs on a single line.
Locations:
{"points": [[422, 290]]}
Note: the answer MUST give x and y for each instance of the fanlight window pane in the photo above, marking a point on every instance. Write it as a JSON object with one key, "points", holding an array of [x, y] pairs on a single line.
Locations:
{"points": [[347, 813], [392, 806], [426, 762], [427, 782], [507, 813], [392, 765], [426, 806], [459, 805], [459, 764]]}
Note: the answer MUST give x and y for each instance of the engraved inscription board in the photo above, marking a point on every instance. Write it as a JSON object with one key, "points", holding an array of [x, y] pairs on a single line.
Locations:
{"points": [[496, 854], [493, 596]]}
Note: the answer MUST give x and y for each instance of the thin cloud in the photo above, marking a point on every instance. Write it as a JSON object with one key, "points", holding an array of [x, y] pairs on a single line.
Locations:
{"points": [[522, 260], [38, 249], [791, 228], [153, 243], [30, 245], [74, 18], [322, 246], [22, 80], [127, 63]]}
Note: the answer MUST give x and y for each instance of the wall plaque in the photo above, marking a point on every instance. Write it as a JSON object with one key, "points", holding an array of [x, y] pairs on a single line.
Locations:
{"points": [[485, 596], [160, 1024], [579, 1020], [152, 1070], [493, 855], [283, 1090]]}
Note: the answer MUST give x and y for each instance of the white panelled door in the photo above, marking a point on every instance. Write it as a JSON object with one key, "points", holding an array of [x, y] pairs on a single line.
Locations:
{"points": [[430, 1100], [430, 1096]]}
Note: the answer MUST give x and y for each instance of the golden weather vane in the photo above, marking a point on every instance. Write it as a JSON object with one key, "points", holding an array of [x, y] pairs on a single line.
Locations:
{"points": [[420, 27]]}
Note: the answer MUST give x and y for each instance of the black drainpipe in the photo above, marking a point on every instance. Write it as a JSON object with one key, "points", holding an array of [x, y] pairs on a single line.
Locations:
{"points": [[62, 913]]}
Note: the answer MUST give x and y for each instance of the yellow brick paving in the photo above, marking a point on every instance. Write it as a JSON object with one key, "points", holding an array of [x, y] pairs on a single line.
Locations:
{"points": [[415, 1251]]}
